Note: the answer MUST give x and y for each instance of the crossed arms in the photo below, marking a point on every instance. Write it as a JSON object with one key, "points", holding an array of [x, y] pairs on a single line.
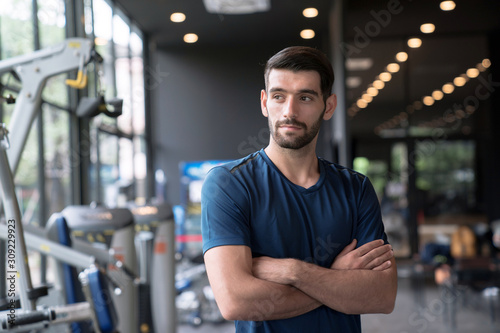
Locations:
{"points": [[361, 280]]}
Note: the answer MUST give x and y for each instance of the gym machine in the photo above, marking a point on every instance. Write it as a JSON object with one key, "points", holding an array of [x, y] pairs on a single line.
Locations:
{"points": [[22, 315], [109, 230], [33, 71], [155, 243]]}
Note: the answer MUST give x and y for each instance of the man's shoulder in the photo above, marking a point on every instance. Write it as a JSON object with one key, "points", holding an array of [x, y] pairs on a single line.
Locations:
{"points": [[237, 166], [342, 171]]}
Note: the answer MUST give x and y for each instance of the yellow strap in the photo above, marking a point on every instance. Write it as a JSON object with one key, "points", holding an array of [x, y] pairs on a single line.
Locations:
{"points": [[80, 82]]}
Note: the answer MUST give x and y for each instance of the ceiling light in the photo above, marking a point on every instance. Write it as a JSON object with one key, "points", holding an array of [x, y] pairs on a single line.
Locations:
{"points": [[427, 28], [393, 68], [236, 6], [307, 33], [414, 42], [472, 72], [486, 63], [459, 81], [353, 82], [367, 98], [417, 105], [447, 5], [358, 64], [177, 17], [372, 91], [385, 76], [448, 88], [428, 100], [480, 67], [437, 95], [361, 104], [310, 12], [379, 84], [402, 56], [190, 38]]}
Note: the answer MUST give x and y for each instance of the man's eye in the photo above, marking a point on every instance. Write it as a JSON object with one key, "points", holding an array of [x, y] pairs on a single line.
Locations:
{"points": [[306, 98], [277, 97]]}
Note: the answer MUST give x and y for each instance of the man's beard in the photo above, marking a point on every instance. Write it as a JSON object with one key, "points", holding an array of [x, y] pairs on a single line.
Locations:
{"points": [[292, 142]]}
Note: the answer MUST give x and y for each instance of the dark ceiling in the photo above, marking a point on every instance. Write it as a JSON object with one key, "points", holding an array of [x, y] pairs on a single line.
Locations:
{"points": [[377, 30]]}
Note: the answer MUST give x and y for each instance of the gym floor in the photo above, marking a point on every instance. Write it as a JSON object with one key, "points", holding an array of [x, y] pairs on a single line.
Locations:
{"points": [[421, 308]]}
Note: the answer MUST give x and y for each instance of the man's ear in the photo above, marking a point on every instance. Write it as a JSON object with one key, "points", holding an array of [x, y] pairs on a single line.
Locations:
{"points": [[263, 102], [330, 106]]}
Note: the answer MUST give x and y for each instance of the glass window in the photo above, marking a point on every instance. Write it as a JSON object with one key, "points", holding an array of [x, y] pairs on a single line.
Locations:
{"points": [[446, 176], [16, 28], [57, 158], [56, 91], [109, 169], [51, 22], [121, 38], [137, 71], [103, 28]]}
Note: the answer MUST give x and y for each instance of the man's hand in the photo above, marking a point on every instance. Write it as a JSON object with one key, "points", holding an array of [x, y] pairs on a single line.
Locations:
{"points": [[373, 255]]}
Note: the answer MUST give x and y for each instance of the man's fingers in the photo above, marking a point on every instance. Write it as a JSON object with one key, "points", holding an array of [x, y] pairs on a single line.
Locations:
{"points": [[366, 248], [378, 256], [385, 265]]}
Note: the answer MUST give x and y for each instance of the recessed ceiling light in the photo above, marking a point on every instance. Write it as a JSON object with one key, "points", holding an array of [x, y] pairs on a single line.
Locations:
{"points": [[393, 68], [379, 84], [472, 72], [447, 5], [486, 63], [177, 17], [402, 56], [414, 42], [372, 91], [190, 38], [367, 98], [459, 81], [361, 104], [310, 12], [427, 28], [448, 88], [428, 100], [437, 95], [307, 33], [385, 76]]}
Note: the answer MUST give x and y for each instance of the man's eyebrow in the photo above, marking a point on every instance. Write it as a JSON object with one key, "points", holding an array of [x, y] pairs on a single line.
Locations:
{"points": [[301, 91]]}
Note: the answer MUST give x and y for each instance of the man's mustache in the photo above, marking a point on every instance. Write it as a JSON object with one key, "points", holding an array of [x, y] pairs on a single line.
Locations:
{"points": [[292, 122]]}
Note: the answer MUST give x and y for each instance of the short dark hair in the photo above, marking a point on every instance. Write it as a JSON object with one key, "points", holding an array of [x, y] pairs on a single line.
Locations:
{"points": [[303, 58]]}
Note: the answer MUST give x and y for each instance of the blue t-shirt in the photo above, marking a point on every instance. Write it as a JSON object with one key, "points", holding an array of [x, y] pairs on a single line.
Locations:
{"points": [[250, 202]]}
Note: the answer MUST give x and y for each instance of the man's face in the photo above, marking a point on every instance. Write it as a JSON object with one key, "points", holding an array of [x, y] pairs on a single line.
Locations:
{"points": [[295, 107]]}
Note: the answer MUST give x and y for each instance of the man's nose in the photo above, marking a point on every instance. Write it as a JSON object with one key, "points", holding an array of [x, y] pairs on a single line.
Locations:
{"points": [[290, 108]]}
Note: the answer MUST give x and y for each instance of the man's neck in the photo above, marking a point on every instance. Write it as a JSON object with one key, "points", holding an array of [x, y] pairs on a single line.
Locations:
{"points": [[300, 166]]}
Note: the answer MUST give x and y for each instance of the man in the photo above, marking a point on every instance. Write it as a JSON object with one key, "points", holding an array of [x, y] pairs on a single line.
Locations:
{"points": [[293, 243]]}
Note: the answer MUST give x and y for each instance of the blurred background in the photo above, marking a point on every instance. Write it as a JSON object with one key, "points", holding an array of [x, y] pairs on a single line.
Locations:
{"points": [[419, 113]]}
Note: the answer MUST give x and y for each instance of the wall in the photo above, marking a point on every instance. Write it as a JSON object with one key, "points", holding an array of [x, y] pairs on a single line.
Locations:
{"points": [[206, 104]]}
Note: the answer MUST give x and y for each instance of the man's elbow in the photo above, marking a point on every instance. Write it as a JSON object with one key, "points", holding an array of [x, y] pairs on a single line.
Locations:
{"points": [[231, 309], [388, 305], [389, 301]]}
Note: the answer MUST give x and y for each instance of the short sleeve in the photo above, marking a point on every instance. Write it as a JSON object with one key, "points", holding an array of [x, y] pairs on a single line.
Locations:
{"points": [[224, 213], [369, 225]]}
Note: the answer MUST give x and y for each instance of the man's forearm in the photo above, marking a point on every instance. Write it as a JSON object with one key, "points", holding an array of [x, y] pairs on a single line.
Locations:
{"points": [[266, 300], [348, 291], [241, 295]]}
